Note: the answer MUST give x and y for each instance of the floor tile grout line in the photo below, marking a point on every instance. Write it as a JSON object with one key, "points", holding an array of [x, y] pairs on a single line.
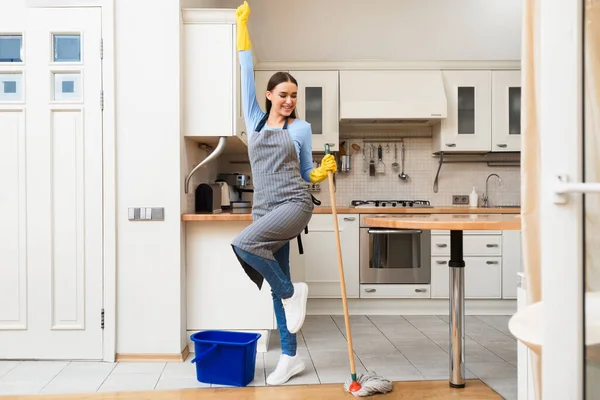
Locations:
{"points": [[424, 334], [160, 375], [54, 377], [399, 351], [109, 374], [482, 345], [346, 337], [310, 356], [493, 327], [19, 362]]}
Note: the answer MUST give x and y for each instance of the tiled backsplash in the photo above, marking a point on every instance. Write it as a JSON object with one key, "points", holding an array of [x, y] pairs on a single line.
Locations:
{"points": [[420, 165]]}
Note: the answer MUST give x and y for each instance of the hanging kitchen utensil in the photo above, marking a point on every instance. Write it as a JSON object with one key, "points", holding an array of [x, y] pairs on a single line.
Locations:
{"points": [[380, 164], [355, 147], [402, 175], [372, 162], [365, 164], [395, 164]]}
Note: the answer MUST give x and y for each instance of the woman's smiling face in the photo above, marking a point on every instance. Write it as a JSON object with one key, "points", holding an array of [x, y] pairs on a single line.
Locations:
{"points": [[283, 98]]}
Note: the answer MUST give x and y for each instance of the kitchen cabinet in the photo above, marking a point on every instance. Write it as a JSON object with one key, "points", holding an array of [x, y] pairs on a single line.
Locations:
{"points": [[318, 103], [467, 127], [506, 111], [219, 293], [318, 266], [511, 263], [483, 264], [211, 75]]}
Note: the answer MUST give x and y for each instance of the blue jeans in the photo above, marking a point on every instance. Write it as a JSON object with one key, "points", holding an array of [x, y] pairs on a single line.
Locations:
{"points": [[277, 274]]}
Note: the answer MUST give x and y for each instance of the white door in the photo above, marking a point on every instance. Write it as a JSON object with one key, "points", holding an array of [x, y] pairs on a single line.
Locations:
{"points": [[570, 149], [51, 281]]}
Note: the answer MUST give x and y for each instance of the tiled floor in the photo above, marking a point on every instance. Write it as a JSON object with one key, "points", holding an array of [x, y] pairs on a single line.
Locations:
{"points": [[398, 348]]}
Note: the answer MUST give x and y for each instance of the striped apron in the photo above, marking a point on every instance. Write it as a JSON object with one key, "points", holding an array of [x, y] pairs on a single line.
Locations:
{"points": [[282, 206]]}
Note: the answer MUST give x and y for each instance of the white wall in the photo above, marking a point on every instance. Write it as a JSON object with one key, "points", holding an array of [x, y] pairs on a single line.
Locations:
{"points": [[148, 174], [389, 30]]}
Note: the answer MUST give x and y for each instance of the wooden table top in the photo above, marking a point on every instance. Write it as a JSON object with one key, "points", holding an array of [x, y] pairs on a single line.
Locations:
{"points": [[447, 221]]}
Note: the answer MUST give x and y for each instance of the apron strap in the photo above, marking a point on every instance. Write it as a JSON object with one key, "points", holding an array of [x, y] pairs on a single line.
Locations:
{"points": [[263, 121]]}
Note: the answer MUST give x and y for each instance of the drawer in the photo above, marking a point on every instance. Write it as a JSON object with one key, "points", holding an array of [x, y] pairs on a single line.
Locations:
{"points": [[408, 291], [483, 278], [473, 245]]}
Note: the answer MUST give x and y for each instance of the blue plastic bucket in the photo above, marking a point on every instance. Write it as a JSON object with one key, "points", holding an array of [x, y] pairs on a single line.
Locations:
{"points": [[224, 357]]}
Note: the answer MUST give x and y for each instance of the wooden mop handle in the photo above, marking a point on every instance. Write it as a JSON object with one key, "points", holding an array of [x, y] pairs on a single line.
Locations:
{"points": [[340, 266]]}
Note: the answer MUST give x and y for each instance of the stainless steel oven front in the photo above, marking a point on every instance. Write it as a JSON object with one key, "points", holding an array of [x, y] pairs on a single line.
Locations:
{"points": [[394, 256]]}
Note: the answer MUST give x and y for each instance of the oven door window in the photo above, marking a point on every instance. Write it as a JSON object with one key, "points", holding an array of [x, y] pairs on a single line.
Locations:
{"points": [[395, 249]]}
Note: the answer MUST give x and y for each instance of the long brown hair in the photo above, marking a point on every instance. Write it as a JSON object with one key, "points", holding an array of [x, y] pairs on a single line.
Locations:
{"points": [[276, 79]]}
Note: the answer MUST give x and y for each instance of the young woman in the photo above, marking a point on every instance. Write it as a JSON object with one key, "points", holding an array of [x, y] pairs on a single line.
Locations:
{"points": [[280, 152]]}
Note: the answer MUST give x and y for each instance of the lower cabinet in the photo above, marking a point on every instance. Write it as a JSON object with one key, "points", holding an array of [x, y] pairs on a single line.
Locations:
{"points": [[492, 261], [219, 293], [318, 266]]}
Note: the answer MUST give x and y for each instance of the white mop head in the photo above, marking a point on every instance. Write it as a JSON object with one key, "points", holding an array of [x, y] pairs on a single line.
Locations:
{"points": [[370, 383]]}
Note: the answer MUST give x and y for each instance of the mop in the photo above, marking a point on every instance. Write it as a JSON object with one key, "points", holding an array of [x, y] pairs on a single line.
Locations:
{"points": [[369, 383]]}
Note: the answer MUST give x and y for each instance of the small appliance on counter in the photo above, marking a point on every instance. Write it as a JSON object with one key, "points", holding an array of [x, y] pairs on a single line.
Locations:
{"points": [[208, 198], [241, 207], [235, 185]]}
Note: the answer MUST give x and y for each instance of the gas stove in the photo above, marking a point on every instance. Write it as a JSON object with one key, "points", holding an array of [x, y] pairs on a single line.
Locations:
{"points": [[391, 204]]}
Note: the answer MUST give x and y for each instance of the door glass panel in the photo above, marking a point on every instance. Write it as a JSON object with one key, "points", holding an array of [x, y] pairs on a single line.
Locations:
{"points": [[67, 48], [11, 87], [67, 86], [514, 111], [466, 110], [591, 171], [11, 48], [395, 251], [314, 109]]}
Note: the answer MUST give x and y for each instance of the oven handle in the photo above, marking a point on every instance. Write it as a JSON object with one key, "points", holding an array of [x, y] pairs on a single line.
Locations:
{"points": [[394, 231]]}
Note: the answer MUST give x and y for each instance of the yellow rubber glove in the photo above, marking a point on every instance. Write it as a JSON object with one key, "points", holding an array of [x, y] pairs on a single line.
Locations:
{"points": [[320, 174], [241, 18]]}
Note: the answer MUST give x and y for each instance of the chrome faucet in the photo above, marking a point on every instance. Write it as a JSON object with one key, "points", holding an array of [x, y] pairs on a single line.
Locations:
{"points": [[485, 195]]}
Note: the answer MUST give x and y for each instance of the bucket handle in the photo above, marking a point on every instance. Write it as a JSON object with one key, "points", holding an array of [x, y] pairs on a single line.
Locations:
{"points": [[206, 352]]}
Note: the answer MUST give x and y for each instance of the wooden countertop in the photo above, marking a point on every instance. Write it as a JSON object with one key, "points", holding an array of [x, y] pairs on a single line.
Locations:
{"points": [[227, 216], [447, 221]]}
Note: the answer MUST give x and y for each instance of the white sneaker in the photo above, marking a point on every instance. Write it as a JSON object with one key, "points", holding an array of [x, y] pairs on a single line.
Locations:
{"points": [[295, 307], [286, 368]]}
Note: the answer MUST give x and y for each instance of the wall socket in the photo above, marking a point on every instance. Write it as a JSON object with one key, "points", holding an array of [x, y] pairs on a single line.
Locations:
{"points": [[146, 214], [460, 199]]}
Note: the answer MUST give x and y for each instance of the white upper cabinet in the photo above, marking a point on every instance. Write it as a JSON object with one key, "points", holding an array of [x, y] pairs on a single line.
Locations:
{"points": [[317, 103], [211, 75], [467, 127], [506, 111]]}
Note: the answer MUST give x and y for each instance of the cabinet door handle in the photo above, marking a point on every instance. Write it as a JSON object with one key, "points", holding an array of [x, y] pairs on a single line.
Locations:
{"points": [[491, 245], [442, 262], [243, 133], [349, 218], [370, 290], [491, 262], [503, 145], [451, 144], [421, 290], [441, 245]]}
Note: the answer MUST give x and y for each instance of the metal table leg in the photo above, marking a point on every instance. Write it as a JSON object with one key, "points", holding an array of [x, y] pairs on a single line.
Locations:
{"points": [[457, 310]]}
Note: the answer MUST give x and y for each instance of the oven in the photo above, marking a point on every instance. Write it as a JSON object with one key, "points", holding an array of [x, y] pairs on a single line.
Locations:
{"points": [[394, 256]]}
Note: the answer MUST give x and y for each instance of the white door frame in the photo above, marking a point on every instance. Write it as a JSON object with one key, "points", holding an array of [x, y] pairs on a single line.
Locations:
{"points": [[109, 200], [561, 133]]}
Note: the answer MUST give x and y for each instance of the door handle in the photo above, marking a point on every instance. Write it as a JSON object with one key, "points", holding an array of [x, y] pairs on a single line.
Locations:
{"points": [[442, 262], [370, 290], [563, 188], [349, 219], [441, 245], [491, 245], [491, 262], [421, 290], [503, 145], [451, 144]]}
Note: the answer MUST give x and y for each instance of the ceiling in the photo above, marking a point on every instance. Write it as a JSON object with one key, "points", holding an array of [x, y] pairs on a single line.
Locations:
{"points": [[386, 30]]}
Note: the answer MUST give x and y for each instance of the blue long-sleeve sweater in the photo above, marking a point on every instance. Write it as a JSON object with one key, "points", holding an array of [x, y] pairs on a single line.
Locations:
{"points": [[299, 130]]}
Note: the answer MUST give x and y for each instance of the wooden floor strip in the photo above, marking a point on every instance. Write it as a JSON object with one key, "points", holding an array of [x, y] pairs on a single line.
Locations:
{"points": [[430, 390]]}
